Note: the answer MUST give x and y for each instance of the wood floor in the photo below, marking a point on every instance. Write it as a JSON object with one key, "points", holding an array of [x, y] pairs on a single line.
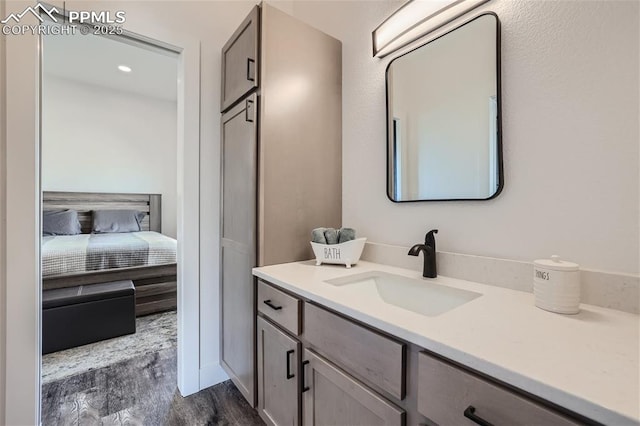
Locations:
{"points": [[141, 391]]}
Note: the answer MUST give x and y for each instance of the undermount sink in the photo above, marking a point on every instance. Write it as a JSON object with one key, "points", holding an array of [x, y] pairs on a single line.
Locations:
{"points": [[416, 295]]}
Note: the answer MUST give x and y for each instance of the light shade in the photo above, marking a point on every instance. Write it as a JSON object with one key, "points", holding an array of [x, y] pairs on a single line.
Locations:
{"points": [[415, 19]]}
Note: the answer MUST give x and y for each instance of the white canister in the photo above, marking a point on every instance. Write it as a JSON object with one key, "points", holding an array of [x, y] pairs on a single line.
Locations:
{"points": [[556, 285]]}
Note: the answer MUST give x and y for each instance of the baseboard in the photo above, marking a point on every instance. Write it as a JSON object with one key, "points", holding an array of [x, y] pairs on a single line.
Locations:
{"points": [[212, 374]]}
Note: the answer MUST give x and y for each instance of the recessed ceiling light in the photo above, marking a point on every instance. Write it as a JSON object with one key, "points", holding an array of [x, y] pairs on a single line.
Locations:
{"points": [[124, 68]]}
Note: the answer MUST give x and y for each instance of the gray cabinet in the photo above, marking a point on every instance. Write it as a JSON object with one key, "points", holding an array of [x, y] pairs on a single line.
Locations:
{"points": [[240, 61], [239, 159], [373, 358], [449, 395], [353, 374], [278, 376], [331, 397], [281, 165]]}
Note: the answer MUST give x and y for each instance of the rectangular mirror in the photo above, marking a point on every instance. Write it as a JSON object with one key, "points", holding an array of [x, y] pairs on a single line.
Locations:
{"points": [[443, 117]]}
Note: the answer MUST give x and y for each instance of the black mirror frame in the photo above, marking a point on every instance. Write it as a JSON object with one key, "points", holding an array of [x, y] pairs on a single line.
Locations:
{"points": [[390, 146]]}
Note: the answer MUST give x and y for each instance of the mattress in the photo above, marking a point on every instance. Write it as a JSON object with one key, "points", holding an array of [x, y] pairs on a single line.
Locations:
{"points": [[69, 254]]}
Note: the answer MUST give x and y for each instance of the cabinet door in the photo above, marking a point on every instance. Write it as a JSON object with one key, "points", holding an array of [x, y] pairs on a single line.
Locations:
{"points": [[238, 245], [240, 61], [331, 397], [278, 362]]}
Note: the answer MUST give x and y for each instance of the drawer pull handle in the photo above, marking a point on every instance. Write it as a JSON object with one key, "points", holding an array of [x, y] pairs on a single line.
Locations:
{"points": [[251, 73], [304, 388], [271, 305], [470, 413], [248, 112], [289, 375]]}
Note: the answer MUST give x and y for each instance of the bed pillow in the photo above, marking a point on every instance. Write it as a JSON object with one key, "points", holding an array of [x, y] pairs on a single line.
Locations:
{"points": [[60, 222], [106, 221]]}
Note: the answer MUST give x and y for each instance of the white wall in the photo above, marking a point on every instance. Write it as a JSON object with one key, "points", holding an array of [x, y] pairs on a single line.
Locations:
{"points": [[96, 139], [20, 270], [3, 222], [570, 132]]}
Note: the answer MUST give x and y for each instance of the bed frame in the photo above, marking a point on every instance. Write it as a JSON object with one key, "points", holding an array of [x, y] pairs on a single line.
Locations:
{"points": [[156, 289]]}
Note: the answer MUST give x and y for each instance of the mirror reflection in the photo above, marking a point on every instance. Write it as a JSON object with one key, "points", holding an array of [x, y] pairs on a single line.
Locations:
{"points": [[443, 103]]}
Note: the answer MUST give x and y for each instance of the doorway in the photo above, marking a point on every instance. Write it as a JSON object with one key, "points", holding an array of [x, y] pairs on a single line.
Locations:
{"points": [[109, 181], [23, 205]]}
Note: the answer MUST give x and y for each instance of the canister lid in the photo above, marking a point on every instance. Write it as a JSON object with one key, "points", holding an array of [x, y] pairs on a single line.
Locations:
{"points": [[555, 264]]}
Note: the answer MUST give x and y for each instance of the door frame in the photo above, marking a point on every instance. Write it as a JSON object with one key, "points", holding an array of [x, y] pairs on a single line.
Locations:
{"points": [[23, 209]]}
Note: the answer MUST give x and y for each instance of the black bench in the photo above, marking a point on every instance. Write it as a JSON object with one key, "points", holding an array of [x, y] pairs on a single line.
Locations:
{"points": [[75, 316]]}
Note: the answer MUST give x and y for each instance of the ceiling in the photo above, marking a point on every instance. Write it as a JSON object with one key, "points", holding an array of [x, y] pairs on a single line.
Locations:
{"points": [[93, 59]]}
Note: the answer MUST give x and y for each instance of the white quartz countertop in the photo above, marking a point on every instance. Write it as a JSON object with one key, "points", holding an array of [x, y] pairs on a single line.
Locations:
{"points": [[587, 362]]}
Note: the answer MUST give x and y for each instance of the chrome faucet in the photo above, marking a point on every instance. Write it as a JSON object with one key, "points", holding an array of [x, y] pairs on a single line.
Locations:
{"points": [[429, 249]]}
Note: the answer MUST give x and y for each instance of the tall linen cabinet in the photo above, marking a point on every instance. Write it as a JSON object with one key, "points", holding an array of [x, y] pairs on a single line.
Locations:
{"points": [[281, 155]]}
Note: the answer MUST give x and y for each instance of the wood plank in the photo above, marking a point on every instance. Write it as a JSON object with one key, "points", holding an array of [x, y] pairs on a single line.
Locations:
{"points": [[155, 297], [93, 196], [372, 357], [106, 205], [155, 289], [147, 386], [155, 280], [155, 212], [133, 273], [86, 202], [155, 306]]}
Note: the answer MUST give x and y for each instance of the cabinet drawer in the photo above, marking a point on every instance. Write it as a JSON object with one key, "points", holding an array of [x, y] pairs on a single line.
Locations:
{"points": [[279, 306], [446, 392], [376, 359]]}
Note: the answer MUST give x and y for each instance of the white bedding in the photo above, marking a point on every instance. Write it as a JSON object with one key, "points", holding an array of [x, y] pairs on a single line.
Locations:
{"points": [[70, 254]]}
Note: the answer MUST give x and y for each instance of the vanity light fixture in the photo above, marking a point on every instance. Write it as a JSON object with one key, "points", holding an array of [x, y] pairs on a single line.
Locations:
{"points": [[124, 68], [415, 19]]}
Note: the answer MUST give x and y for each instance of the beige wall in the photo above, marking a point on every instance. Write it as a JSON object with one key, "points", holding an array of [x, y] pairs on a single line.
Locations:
{"points": [[570, 132]]}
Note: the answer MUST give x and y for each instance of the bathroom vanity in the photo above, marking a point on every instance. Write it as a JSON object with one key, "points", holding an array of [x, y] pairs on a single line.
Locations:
{"points": [[381, 345]]}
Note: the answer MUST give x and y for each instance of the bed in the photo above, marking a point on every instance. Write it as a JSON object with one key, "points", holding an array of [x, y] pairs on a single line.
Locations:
{"points": [[147, 257]]}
